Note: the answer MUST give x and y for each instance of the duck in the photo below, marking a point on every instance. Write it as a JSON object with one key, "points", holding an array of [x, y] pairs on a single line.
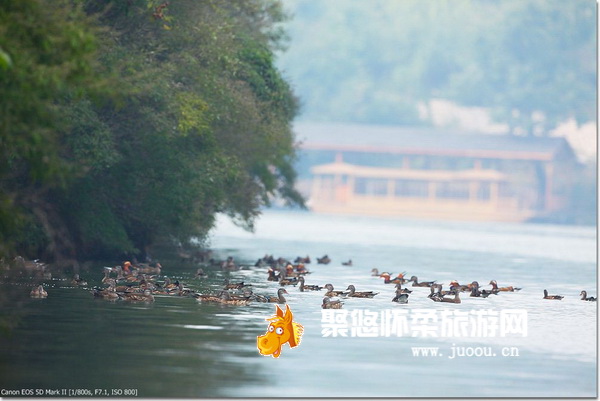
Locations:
{"points": [[455, 300], [294, 271], [208, 297], [496, 288], [106, 277], [301, 268], [401, 297], [183, 291], [584, 297], [107, 293], [303, 287], [288, 281], [475, 292], [268, 259], [156, 268], [126, 288], [272, 276], [78, 281], [126, 267], [439, 287], [375, 272], [362, 294], [134, 278], [402, 290], [455, 286], [38, 292], [387, 278], [441, 298], [546, 296], [289, 269], [331, 292], [416, 283], [246, 294], [121, 288], [228, 300], [348, 263], [328, 303], [324, 260], [200, 273], [436, 292], [168, 285], [234, 286], [280, 299], [302, 260], [146, 296], [147, 283]]}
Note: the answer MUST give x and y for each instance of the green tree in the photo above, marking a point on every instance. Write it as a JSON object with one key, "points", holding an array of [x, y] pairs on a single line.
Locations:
{"points": [[532, 62], [208, 133], [130, 122], [49, 55]]}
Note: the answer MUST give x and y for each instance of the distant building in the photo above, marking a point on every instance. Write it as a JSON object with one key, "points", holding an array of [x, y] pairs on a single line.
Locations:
{"points": [[375, 170]]}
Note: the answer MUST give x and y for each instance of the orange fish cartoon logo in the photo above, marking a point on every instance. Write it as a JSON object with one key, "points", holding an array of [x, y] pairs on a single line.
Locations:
{"points": [[281, 330]]}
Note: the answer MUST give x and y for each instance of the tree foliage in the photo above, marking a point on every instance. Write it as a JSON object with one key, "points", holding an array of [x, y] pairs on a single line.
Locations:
{"points": [[532, 62], [162, 115]]}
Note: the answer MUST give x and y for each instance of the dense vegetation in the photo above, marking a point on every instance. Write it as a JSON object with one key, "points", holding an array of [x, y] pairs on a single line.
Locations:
{"points": [[532, 62], [128, 122]]}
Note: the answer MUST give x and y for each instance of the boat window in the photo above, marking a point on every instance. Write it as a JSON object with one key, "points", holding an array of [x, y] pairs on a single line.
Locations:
{"points": [[370, 186], [453, 190], [411, 188]]}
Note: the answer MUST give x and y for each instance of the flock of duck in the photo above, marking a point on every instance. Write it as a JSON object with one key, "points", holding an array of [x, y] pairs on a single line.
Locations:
{"points": [[140, 282]]}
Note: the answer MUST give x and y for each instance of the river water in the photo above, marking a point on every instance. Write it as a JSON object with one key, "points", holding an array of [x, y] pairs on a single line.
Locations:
{"points": [[177, 347]]}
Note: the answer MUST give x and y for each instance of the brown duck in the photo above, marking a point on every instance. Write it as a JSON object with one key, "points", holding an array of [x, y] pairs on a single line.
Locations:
{"points": [[330, 292], [495, 287], [280, 299], [441, 298], [304, 287], [78, 281], [208, 297], [107, 293], [38, 292], [146, 296], [329, 304], [234, 286], [228, 300], [416, 283], [402, 290], [352, 293]]}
